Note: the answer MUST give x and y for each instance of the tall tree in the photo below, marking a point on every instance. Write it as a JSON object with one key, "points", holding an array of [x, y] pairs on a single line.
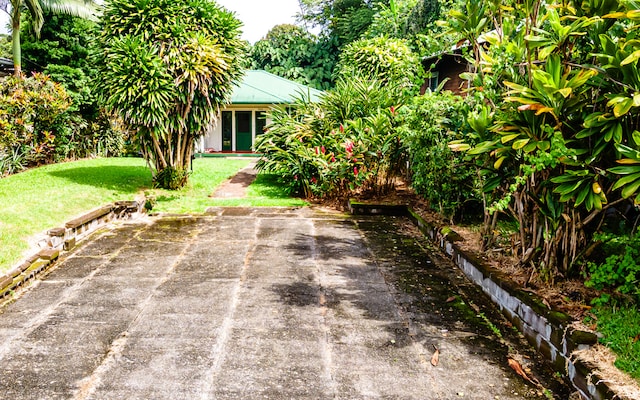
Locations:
{"points": [[81, 8], [345, 20], [166, 67], [293, 53]]}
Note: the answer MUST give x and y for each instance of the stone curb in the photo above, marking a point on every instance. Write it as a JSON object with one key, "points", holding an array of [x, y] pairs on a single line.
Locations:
{"points": [[548, 331], [61, 239]]}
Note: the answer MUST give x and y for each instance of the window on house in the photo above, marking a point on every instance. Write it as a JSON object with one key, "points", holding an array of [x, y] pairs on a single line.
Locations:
{"points": [[227, 130], [261, 122]]}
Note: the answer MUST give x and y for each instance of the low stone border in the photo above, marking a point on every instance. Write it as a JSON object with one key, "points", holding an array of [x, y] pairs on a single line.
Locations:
{"points": [[64, 239], [549, 331]]}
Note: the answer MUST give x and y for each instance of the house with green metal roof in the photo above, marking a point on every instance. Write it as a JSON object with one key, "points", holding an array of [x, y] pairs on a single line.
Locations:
{"points": [[245, 117]]}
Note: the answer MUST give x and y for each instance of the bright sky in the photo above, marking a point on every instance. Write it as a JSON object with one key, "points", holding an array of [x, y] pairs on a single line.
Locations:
{"points": [[258, 16]]}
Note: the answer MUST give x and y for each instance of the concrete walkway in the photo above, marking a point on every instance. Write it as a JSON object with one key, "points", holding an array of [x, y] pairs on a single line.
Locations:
{"points": [[255, 304], [236, 187]]}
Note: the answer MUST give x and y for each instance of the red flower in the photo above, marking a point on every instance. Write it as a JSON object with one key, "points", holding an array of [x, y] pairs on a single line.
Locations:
{"points": [[313, 179], [316, 150], [333, 159], [355, 171], [393, 110], [349, 147], [323, 150], [341, 128]]}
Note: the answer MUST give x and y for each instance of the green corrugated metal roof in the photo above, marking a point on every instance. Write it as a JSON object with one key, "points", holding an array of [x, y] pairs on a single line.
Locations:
{"points": [[262, 87]]}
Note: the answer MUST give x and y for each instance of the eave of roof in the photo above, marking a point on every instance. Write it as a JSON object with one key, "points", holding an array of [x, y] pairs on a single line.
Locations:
{"points": [[262, 87]]}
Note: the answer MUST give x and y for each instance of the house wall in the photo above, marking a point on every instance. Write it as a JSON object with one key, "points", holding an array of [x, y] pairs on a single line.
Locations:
{"points": [[452, 68], [212, 141]]}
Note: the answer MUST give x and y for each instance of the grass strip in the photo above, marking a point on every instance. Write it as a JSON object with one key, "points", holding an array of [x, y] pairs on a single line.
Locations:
{"points": [[620, 327]]}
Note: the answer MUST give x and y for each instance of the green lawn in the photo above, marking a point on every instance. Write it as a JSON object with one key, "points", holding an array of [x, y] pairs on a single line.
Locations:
{"points": [[43, 198], [264, 192], [620, 329]]}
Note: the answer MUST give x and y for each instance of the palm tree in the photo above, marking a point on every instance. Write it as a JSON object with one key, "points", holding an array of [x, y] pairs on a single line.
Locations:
{"points": [[79, 8]]}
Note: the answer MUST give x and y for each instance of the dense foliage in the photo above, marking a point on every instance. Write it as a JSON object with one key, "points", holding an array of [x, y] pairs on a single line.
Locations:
{"points": [[391, 61], [31, 121], [344, 20], [438, 174], [166, 67], [291, 52], [36, 8], [555, 133], [62, 52], [348, 141]]}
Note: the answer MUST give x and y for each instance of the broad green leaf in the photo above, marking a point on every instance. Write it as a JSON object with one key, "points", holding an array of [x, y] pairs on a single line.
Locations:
{"points": [[630, 189], [625, 170], [636, 138], [563, 178], [544, 145], [567, 188], [530, 147], [546, 51], [626, 180], [623, 107], [588, 202], [518, 144], [510, 137], [597, 202], [582, 196], [633, 57]]}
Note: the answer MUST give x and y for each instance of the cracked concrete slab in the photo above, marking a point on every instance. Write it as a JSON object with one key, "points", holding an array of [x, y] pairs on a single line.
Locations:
{"points": [[259, 303]]}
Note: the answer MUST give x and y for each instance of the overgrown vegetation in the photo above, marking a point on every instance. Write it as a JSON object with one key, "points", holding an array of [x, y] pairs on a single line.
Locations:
{"points": [[32, 121], [347, 141], [439, 174], [291, 52]]}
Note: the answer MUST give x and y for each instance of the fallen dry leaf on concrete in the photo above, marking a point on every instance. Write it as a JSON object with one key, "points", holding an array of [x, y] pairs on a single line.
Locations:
{"points": [[518, 368], [435, 358]]}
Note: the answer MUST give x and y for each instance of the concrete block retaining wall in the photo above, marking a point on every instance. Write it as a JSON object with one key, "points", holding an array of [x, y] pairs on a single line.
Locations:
{"points": [[549, 331], [64, 239]]}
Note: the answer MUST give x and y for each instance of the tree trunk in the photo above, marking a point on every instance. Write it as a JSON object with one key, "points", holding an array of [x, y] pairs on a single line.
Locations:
{"points": [[15, 41]]}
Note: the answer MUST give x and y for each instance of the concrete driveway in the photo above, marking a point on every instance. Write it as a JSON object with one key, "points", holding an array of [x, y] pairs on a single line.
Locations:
{"points": [[259, 304]]}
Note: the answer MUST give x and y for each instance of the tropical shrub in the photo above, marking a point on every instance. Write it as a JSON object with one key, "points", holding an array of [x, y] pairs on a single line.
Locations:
{"points": [[554, 129], [440, 175], [390, 61], [166, 67], [62, 52], [348, 141], [621, 268], [31, 110]]}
